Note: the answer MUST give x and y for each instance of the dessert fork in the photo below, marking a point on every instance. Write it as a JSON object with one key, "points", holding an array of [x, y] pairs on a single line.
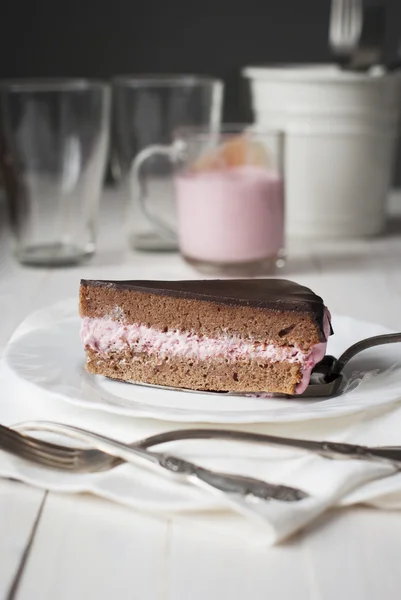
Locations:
{"points": [[238, 490], [357, 32]]}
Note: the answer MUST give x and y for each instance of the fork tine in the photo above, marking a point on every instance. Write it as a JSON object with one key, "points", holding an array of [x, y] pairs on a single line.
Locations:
{"points": [[345, 25], [37, 444], [77, 460], [37, 451], [72, 464], [41, 459], [22, 451]]}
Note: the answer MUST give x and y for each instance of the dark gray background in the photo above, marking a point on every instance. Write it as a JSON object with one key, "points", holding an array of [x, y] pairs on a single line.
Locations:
{"points": [[107, 37]]}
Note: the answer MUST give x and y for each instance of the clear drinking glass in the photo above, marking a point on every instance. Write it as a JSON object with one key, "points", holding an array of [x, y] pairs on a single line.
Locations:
{"points": [[53, 154], [146, 110], [229, 188]]}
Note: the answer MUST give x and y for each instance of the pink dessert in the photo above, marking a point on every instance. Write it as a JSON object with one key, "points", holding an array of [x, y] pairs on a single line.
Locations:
{"points": [[233, 215], [244, 335]]}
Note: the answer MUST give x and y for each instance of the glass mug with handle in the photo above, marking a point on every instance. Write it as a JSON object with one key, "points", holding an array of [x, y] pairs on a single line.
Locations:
{"points": [[229, 193]]}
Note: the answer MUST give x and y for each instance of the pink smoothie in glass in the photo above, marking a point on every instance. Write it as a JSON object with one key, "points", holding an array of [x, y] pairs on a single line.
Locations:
{"points": [[231, 215]]}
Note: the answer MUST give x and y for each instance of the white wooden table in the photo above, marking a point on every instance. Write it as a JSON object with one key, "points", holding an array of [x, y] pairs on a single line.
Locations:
{"points": [[55, 547]]}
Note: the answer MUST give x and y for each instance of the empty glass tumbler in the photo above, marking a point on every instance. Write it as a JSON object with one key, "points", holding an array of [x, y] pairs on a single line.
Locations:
{"points": [[53, 153], [147, 110]]}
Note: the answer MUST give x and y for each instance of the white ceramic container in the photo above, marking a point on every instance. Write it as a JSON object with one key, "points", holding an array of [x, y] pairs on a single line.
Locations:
{"points": [[342, 131]]}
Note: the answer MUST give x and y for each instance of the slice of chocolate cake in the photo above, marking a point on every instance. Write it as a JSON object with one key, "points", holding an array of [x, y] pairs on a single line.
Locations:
{"points": [[239, 335]]}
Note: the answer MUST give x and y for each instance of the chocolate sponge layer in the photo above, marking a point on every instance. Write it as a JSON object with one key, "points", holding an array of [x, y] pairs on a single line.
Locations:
{"points": [[241, 376]]}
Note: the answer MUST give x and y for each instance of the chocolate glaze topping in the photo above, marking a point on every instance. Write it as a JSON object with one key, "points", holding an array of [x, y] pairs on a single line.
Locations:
{"points": [[272, 294]]}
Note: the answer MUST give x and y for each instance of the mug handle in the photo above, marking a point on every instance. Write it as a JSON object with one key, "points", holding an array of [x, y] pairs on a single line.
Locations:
{"points": [[174, 152]]}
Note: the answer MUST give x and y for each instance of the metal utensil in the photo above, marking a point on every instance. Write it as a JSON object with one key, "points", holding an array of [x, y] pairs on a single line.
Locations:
{"points": [[237, 489], [356, 33], [84, 460], [327, 377], [369, 49], [345, 27]]}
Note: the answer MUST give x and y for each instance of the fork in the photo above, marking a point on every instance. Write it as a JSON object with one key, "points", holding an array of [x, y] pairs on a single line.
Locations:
{"points": [[369, 49], [345, 26], [238, 490], [357, 32]]}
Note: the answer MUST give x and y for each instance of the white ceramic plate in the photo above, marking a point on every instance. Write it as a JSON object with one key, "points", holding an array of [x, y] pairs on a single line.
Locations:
{"points": [[47, 353]]}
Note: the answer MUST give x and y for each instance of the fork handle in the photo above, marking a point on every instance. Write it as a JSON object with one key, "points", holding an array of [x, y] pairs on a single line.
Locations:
{"points": [[388, 454], [377, 340], [335, 450]]}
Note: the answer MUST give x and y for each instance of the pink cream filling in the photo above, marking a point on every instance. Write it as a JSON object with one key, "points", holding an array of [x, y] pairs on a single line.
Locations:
{"points": [[106, 335]]}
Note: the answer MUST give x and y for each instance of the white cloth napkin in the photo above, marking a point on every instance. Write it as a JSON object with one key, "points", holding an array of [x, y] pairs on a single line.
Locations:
{"points": [[328, 482]]}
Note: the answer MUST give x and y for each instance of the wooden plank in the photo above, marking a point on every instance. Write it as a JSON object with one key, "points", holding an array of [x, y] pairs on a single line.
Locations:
{"points": [[354, 554], [19, 506], [345, 554], [214, 560], [86, 547]]}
